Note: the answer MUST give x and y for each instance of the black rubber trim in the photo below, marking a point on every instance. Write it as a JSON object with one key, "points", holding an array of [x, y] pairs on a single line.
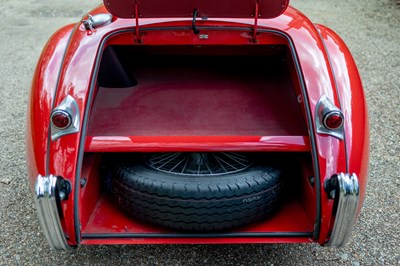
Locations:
{"points": [[337, 92], [303, 89], [311, 130], [47, 171], [206, 235]]}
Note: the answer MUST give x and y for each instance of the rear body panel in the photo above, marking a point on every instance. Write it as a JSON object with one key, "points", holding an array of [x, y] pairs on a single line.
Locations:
{"points": [[318, 74]]}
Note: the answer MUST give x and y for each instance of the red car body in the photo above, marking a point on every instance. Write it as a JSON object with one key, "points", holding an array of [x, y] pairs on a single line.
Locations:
{"points": [[69, 66]]}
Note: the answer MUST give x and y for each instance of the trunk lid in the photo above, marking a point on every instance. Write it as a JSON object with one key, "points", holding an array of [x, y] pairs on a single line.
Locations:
{"points": [[205, 8]]}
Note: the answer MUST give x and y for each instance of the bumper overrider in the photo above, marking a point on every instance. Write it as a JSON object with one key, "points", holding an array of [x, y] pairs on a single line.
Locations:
{"points": [[344, 189], [47, 197]]}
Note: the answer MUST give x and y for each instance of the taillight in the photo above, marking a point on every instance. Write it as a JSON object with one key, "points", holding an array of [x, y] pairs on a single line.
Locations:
{"points": [[333, 120], [329, 119], [65, 118], [61, 119]]}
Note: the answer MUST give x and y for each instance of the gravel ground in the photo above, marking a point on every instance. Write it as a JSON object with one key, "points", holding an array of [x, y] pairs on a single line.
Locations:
{"points": [[370, 28]]}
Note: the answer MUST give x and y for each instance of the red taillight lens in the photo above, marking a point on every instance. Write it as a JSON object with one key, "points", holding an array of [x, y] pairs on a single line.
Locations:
{"points": [[333, 120], [60, 119]]}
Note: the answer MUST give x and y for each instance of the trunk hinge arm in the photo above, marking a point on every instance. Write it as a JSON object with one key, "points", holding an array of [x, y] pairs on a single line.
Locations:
{"points": [[195, 14], [138, 35], [255, 27]]}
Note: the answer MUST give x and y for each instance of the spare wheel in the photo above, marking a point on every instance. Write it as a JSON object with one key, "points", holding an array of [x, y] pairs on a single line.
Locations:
{"points": [[197, 191]]}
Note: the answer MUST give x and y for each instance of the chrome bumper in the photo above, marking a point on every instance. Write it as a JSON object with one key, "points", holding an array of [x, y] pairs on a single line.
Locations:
{"points": [[46, 202], [346, 195]]}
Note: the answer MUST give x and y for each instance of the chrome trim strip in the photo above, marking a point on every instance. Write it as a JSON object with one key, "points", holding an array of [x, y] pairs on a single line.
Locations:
{"points": [[323, 107], [347, 197], [70, 107], [46, 204]]}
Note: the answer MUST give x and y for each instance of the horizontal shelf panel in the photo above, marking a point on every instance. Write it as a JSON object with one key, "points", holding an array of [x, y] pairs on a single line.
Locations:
{"points": [[196, 143]]}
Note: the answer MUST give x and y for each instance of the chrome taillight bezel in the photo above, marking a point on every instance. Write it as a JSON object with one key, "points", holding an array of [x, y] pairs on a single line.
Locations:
{"points": [[70, 107], [324, 109]]}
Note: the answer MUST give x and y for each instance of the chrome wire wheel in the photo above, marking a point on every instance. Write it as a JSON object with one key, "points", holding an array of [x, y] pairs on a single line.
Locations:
{"points": [[198, 163]]}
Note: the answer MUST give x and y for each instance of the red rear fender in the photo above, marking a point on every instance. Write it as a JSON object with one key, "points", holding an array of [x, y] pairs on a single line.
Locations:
{"points": [[41, 99], [354, 107]]}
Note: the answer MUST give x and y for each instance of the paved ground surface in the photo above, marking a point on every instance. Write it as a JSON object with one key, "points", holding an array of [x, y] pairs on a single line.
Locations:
{"points": [[371, 29]]}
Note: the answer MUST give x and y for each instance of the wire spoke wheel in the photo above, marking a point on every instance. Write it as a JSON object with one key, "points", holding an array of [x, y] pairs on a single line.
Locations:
{"points": [[198, 163]]}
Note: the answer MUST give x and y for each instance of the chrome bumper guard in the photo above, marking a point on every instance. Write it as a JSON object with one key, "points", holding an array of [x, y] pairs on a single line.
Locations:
{"points": [[346, 195], [46, 202]]}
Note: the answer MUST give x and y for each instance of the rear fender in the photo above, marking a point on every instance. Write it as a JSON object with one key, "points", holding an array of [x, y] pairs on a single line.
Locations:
{"points": [[40, 102], [65, 153], [353, 105]]}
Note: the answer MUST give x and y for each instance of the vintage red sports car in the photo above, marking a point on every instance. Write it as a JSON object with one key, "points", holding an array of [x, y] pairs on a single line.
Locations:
{"points": [[201, 122]]}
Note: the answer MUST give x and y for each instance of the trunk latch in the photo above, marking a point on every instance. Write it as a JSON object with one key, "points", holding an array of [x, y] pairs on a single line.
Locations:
{"points": [[96, 21]]}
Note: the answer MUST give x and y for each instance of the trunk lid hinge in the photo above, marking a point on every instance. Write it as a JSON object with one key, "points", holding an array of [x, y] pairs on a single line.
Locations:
{"points": [[255, 26], [195, 14], [137, 31]]}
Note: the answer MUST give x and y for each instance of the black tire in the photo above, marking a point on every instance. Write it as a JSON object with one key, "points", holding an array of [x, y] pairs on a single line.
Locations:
{"points": [[197, 203]]}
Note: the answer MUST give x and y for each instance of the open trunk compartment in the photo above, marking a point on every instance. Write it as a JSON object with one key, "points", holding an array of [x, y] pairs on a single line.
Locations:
{"points": [[197, 98], [198, 95]]}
